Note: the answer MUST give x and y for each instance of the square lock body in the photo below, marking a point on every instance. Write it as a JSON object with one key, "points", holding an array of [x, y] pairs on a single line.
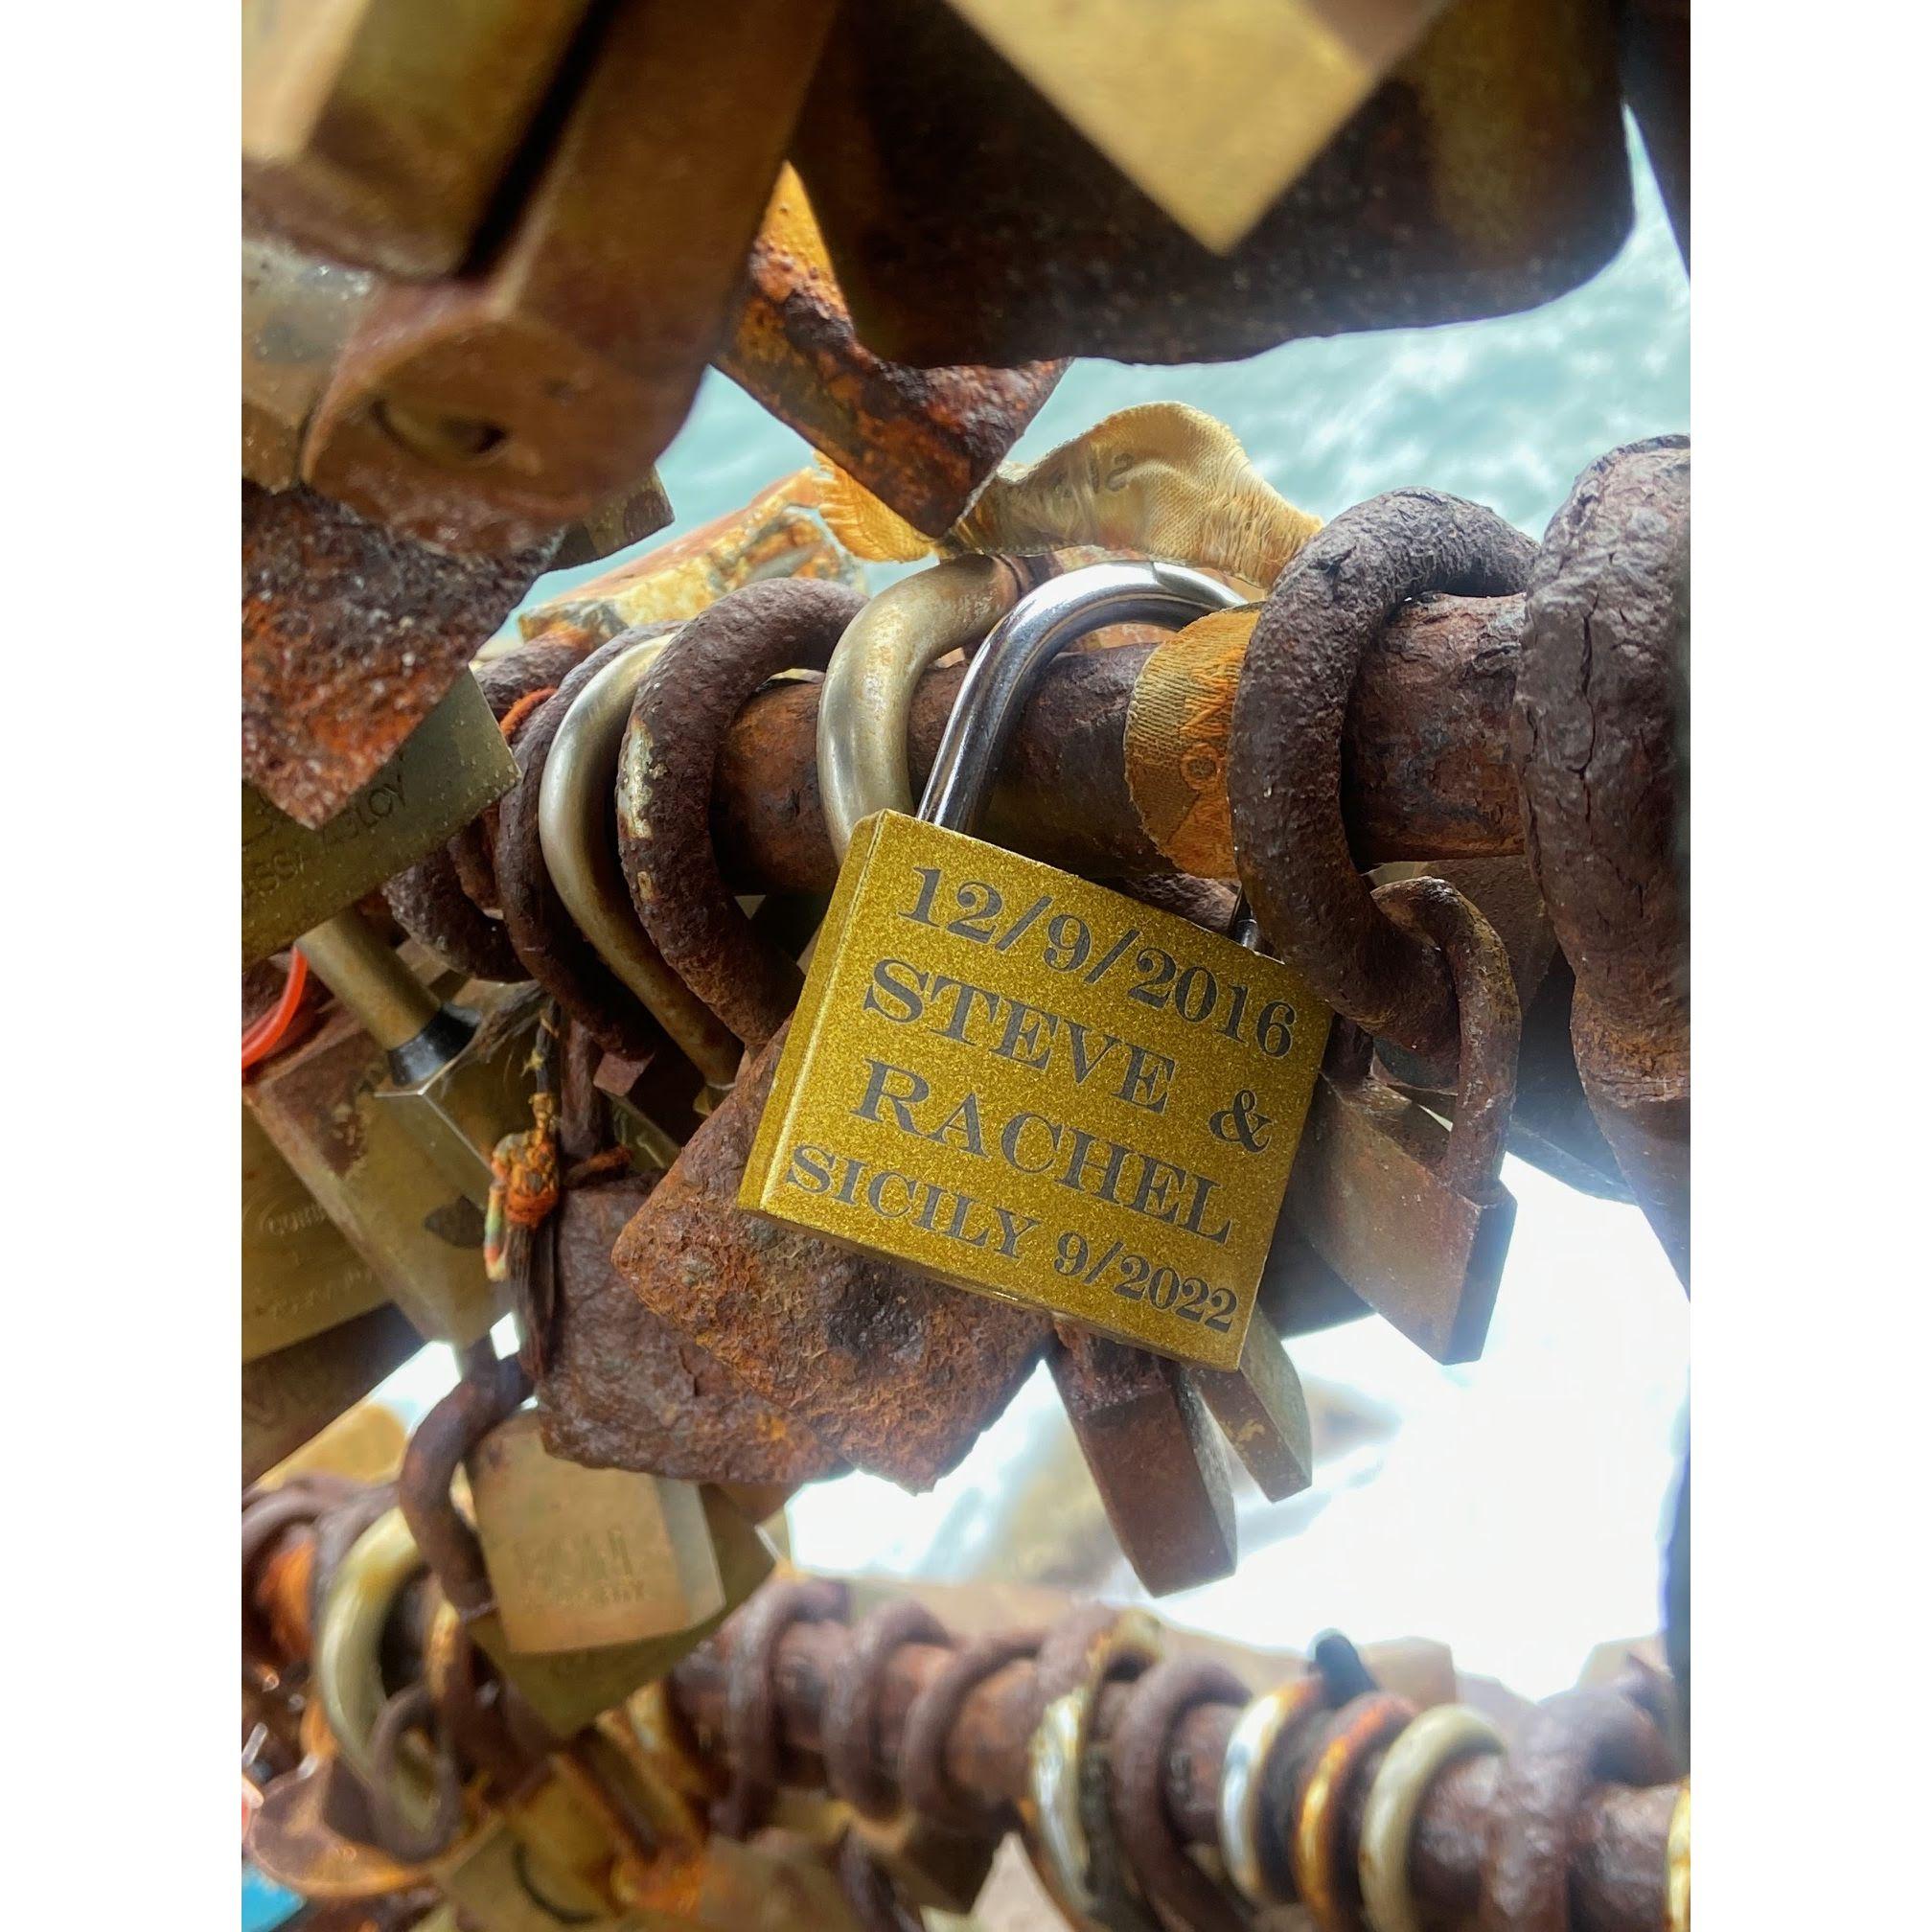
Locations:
{"points": [[1031, 1087], [389, 1167]]}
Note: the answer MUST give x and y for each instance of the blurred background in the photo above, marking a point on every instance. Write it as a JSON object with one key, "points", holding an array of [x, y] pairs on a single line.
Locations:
{"points": [[1514, 1508]]}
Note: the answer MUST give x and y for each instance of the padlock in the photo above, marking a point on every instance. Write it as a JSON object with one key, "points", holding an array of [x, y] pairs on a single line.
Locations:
{"points": [[567, 1689], [289, 1397], [447, 771], [1409, 1212], [299, 1277], [584, 1559], [402, 1165], [621, 1387], [1018, 1081], [1133, 1415], [886, 1367], [1154, 1455]]}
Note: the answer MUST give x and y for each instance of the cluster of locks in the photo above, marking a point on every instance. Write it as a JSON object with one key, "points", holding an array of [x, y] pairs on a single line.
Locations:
{"points": [[1125, 942]]}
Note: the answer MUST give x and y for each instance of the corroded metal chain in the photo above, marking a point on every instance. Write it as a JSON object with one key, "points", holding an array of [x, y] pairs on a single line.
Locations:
{"points": [[1118, 1765]]}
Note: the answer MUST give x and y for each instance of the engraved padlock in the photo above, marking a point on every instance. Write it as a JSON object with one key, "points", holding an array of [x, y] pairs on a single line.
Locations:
{"points": [[566, 1688], [1409, 1212], [1020, 1082], [1134, 1415]]}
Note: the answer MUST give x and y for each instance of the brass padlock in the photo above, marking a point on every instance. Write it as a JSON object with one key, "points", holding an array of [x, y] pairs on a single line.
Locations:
{"points": [[299, 1277], [1409, 1213], [581, 1559], [1023, 1083], [565, 1688]]}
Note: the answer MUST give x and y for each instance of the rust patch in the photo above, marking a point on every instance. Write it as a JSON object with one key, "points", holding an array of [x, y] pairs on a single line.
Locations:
{"points": [[898, 1372], [624, 1389], [350, 636]]}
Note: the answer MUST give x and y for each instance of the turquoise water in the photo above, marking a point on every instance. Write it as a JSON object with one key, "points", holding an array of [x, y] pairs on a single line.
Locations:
{"points": [[1505, 412]]}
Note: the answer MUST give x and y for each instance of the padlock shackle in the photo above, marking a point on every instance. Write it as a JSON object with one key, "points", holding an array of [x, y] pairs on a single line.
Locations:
{"points": [[1025, 642], [865, 703]]}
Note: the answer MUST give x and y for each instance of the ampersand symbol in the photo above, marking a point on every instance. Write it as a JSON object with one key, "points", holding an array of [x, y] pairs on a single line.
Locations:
{"points": [[1241, 1122]]}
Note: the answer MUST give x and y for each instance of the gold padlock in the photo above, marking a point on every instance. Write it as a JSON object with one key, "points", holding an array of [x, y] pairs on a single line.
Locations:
{"points": [[1024, 1083], [583, 1558]]}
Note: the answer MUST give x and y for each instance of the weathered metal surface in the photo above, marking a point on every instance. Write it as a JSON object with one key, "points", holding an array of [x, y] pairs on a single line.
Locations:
{"points": [[1611, 1834], [394, 1204], [777, 533], [921, 440], [680, 712], [895, 1372], [378, 129], [350, 635], [624, 1389], [486, 412], [297, 312], [553, 951], [510, 685], [1601, 734], [1154, 1455], [1410, 1215], [968, 222], [1262, 1412], [1215, 123], [1284, 748], [1425, 763]]}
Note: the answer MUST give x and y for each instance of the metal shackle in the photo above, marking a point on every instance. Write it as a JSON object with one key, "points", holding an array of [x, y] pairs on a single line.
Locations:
{"points": [[1019, 647], [576, 826], [865, 703]]}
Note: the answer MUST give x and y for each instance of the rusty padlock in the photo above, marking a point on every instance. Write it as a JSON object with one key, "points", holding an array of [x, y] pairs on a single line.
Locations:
{"points": [[566, 1688], [1410, 1215], [894, 1372], [621, 1387], [1410, 1212]]}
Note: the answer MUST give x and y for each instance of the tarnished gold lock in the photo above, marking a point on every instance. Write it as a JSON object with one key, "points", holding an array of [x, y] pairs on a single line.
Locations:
{"points": [[388, 1114], [581, 1559], [566, 1688], [1029, 1085], [299, 1277]]}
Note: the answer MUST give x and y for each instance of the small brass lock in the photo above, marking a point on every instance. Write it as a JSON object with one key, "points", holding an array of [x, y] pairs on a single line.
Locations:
{"points": [[581, 1559], [1024, 1083]]}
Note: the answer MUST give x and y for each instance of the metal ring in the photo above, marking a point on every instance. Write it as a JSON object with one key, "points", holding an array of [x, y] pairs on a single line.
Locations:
{"points": [[751, 1729], [869, 1891], [1254, 1861], [1284, 748], [849, 1728], [682, 709], [1020, 646], [576, 829], [1321, 1873], [1574, 1740], [933, 1713], [554, 950], [865, 703], [1441, 1736], [1069, 1819], [1677, 1865], [348, 1672], [1137, 1749], [410, 1709]]}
